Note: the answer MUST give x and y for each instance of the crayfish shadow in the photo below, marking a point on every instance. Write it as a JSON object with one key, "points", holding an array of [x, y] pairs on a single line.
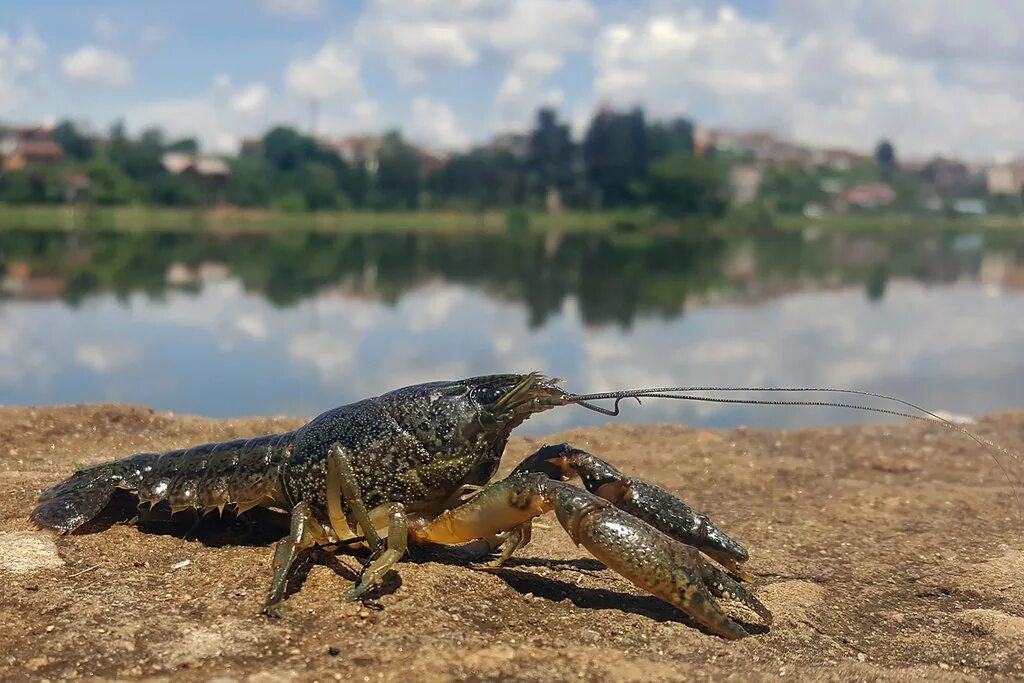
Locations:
{"points": [[601, 598], [257, 527], [463, 556], [319, 556]]}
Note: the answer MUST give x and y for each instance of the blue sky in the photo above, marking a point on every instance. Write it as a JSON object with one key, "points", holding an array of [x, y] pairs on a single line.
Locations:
{"points": [[936, 76]]}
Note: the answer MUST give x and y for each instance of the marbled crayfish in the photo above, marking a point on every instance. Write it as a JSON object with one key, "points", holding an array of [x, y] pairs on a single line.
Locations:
{"points": [[414, 465]]}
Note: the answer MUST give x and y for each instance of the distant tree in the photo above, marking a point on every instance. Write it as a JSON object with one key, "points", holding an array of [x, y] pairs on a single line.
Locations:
{"points": [[357, 183], [117, 131], [30, 186], [550, 155], [789, 190], [184, 145], [249, 183], [141, 162], [292, 201], [885, 157], [177, 190], [398, 173], [669, 137], [480, 179], [615, 155], [319, 186], [74, 144], [109, 184], [152, 137], [286, 149], [683, 185]]}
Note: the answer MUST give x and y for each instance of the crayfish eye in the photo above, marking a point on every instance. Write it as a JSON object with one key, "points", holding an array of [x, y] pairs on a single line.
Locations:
{"points": [[487, 395]]}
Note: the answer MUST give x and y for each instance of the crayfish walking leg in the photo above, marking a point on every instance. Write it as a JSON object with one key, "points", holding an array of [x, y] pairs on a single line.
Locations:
{"points": [[342, 485], [305, 533]]}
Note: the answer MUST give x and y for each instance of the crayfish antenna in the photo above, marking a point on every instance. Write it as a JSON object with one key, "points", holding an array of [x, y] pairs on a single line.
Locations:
{"points": [[686, 393]]}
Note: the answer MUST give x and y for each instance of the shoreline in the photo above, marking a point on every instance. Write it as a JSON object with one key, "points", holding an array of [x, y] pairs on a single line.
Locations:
{"points": [[237, 220]]}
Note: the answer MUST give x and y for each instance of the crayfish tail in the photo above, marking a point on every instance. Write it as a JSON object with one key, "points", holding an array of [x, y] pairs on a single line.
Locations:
{"points": [[78, 498]]}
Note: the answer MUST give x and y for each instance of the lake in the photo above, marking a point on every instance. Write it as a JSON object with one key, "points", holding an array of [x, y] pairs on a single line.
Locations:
{"points": [[298, 323]]}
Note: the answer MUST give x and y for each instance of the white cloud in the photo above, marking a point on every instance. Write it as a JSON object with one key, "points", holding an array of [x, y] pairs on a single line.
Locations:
{"points": [[218, 118], [333, 72], [21, 61], [92, 65], [106, 357], [424, 36], [522, 90], [250, 99], [936, 30], [299, 9], [557, 26], [435, 125], [225, 114], [104, 28], [528, 39], [819, 80]]}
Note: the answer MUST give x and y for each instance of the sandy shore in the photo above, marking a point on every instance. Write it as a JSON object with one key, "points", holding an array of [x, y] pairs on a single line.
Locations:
{"points": [[885, 552]]}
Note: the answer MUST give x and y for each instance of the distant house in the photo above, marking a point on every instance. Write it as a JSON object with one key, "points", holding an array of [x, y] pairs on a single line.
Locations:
{"points": [[866, 196], [946, 175], [209, 174], [24, 152], [761, 145], [745, 181], [179, 163], [363, 150], [968, 206], [1007, 178], [838, 159]]}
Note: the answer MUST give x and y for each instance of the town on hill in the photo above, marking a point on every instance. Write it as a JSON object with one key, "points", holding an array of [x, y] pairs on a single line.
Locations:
{"points": [[624, 160]]}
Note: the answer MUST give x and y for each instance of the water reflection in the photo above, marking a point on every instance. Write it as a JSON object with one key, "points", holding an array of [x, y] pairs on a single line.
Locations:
{"points": [[299, 322]]}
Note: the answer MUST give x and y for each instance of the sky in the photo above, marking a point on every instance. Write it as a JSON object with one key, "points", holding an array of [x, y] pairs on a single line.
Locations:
{"points": [[934, 76]]}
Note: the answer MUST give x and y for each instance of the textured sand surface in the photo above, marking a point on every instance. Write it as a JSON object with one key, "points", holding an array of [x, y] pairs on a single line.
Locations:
{"points": [[885, 552]]}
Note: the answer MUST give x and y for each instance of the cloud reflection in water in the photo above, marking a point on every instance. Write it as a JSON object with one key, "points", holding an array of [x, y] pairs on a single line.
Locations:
{"points": [[223, 351]]}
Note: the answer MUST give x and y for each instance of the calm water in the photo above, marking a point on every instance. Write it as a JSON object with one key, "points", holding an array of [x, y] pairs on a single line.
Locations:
{"points": [[300, 323]]}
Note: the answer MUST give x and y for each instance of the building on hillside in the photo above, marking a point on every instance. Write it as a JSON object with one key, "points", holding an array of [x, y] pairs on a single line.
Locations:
{"points": [[1006, 178], [759, 145], [865, 196], [911, 166], [765, 147], [946, 175], [838, 159]]}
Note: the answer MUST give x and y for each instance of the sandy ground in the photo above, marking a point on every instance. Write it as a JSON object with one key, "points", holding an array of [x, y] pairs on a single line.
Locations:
{"points": [[886, 553]]}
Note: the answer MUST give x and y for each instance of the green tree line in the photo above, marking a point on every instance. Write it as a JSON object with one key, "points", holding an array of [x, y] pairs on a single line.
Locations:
{"points": [[623, 161]]}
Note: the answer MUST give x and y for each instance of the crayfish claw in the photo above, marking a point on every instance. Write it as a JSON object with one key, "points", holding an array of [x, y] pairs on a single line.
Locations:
{"points": [[655, 562]]}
